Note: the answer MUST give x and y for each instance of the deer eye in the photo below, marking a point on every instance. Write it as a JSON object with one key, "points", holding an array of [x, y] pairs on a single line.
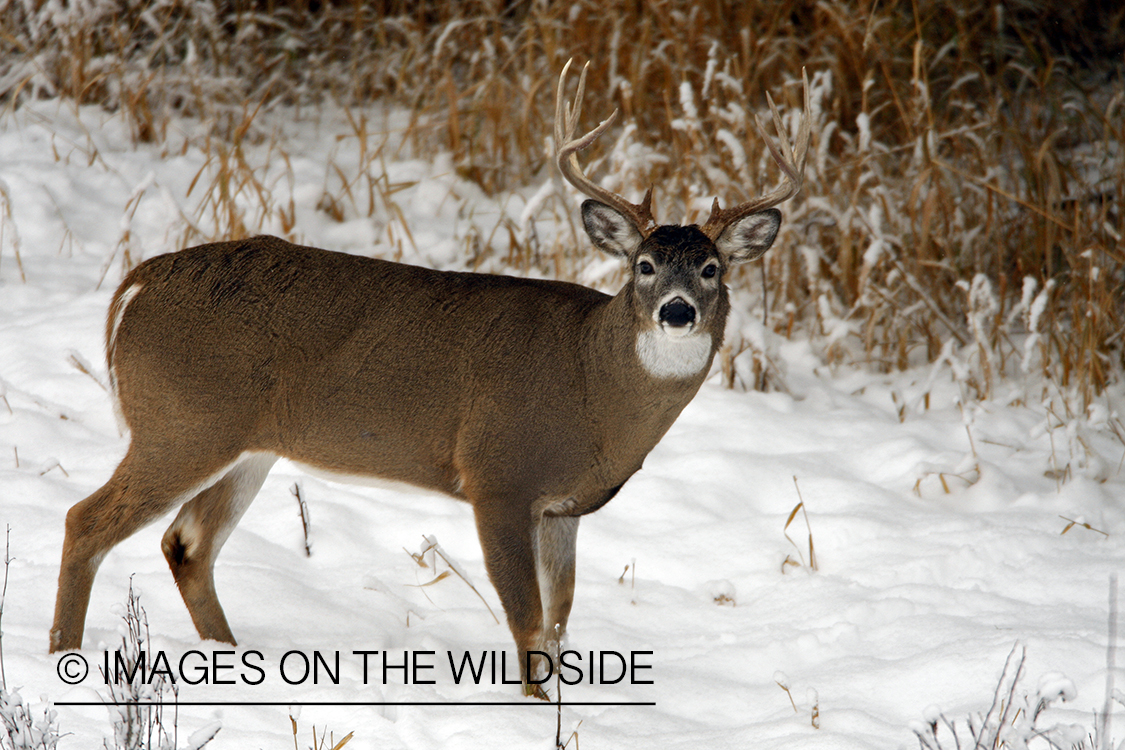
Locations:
{"points": [[645, 268], [710, 271]]}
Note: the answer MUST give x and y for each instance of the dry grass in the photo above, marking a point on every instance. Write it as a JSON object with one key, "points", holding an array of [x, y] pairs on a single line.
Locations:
{"points": [[964, 201], [810, 564], [326, 741]]}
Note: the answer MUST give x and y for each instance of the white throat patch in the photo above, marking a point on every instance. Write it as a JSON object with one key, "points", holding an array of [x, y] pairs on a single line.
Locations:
{"points": [[665, 356]]}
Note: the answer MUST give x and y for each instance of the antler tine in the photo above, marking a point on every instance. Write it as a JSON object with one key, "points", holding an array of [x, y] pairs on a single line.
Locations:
{"points": [[790, 161], [566, 155]]}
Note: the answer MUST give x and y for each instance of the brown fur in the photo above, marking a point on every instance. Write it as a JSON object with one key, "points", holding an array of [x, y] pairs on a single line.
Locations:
{"points": [[525, 398], [532, 400]]}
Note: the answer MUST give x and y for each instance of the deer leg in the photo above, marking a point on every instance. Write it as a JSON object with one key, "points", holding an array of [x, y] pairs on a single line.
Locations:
{"points": [[193, 540], [556, 537], [140, 491], [506, 538]]}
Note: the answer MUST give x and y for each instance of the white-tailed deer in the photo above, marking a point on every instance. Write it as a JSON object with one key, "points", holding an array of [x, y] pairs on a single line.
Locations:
{"points": [[532, 400]]}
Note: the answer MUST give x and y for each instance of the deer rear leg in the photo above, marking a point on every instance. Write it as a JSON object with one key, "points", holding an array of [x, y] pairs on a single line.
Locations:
{"points": [[193, 540], [139, 492], [509, 556]]}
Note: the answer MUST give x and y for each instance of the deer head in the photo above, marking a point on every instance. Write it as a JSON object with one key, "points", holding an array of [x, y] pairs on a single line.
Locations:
{"points": [[676, 272]]}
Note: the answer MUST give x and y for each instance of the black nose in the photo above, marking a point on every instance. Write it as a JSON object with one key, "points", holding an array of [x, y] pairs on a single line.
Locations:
{"points": [[677, 312]]}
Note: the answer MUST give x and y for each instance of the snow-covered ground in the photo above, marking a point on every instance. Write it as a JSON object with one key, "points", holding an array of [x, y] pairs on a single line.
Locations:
{"points": [[937, 524]]}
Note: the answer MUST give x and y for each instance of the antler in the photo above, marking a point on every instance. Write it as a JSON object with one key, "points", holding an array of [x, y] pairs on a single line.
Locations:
{"points": [[791, 163], [566, 154]]}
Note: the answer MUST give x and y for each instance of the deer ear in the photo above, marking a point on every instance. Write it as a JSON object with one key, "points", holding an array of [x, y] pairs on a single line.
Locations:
{"points": [[610, 230], [749, 237]]}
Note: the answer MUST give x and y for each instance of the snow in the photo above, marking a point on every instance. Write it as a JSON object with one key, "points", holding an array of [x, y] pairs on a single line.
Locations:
{"points": [[937, 520]]}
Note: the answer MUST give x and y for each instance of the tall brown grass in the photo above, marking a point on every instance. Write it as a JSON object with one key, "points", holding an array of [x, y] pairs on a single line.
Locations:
{"points": [[964, 199]]}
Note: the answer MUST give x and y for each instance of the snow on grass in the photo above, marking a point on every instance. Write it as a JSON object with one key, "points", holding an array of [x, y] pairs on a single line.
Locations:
{"points": [[936, 521]]}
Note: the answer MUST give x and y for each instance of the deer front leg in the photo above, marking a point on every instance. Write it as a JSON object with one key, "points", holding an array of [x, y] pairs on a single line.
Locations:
{"points": [[556, 537], [507, 540]]}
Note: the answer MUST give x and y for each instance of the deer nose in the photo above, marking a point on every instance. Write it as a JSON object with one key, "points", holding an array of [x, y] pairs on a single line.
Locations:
{"points": [[677, 312]]}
